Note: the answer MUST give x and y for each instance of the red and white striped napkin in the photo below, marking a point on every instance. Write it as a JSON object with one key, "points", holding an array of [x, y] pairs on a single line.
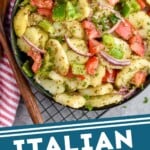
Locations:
{"points": [[9, 93]]}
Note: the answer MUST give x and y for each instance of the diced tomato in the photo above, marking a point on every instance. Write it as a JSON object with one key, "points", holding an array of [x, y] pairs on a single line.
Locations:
{"points": [[113, 2], [44, 12], [93, 33], [94, 46], [36, 56], [91, 65], [125, 30], [139, 78], [81, 77], [42, 3], [110, 76], [71, 75], [137, 45], [88, 24], [90, 30], [142, 3]]}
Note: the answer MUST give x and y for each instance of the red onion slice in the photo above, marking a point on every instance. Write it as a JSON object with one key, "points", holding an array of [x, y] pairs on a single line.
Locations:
{"points": [[32, 45], [126, 93], [113, 60], [74, 49], [112, 10], [129, 94], [123, 90]]}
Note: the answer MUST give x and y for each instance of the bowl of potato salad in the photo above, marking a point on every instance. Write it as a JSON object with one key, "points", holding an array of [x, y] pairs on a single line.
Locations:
{"points": [[83, 53]]}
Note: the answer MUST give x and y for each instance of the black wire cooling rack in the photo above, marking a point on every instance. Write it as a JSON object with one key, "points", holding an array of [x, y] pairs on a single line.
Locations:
{"points": [[53, 112]]}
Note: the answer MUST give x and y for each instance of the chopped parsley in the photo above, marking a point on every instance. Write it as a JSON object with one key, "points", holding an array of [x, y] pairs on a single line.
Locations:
{"points": [[124, 107], [89, 107], [146, 100], [87, 97]]}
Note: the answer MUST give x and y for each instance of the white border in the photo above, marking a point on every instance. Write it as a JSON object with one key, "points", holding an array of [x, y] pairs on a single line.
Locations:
{"points": [[101, 122], [75, 129]]}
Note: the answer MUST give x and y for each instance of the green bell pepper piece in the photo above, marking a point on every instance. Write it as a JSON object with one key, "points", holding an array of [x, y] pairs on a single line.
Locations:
{"points": [[26, 69], [46, 26], [116, 53], [89, 107], [47, 65], [59, 12], [126, 10], [114, 50], [71, 12], [129, 7], [108, 40]]}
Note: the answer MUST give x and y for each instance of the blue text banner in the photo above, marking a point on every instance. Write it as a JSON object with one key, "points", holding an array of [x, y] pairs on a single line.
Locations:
{"points": [[123, 133]]}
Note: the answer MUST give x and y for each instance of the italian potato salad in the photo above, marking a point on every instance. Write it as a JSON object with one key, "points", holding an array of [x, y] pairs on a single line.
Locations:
{"points": [[86, 53]]}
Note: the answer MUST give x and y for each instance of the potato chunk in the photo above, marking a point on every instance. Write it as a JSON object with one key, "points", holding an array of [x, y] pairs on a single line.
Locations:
{"points": [[36, 36], [21, 20], [124, 77], [75, 83], [84, 9], [82, 48], [51, 86], [141, 21], [148, 1], [96, 79], [56, 77], [99, 90], [60, 58], [104, 100], [123, 46], [75, 29], [23, 46], [34, 19], [72, 100]]}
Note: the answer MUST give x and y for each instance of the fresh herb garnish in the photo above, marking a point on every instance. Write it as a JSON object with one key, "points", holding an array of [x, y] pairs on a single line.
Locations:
{"points": [[124, 107], [87, 97], [89, 107], [113, 19], [146, 100]]}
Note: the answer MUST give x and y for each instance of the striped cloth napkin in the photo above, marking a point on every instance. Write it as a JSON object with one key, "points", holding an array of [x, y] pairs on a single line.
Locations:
{"points": [[9, 93]]}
